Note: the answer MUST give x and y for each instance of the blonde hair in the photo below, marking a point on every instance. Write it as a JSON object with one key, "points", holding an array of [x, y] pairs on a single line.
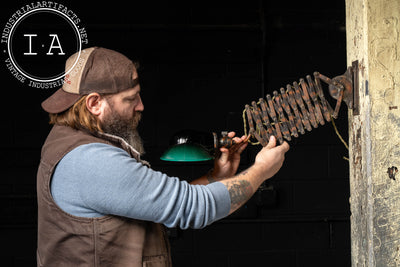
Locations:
{"points": [[77, 117]]}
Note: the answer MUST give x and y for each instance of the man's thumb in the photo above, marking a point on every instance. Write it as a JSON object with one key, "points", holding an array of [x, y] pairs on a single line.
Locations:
{"points": [[272, 142], [224, 155]]}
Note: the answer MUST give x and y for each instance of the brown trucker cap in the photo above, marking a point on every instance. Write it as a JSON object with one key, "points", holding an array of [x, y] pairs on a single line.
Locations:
{"points": [[94, 69]]}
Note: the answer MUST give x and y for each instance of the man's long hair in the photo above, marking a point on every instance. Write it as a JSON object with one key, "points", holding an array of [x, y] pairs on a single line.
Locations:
{"points": [[77, 117]]}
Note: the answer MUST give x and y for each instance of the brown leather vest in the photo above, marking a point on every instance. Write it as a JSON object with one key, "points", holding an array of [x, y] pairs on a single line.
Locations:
{"points": [[67, 240]]}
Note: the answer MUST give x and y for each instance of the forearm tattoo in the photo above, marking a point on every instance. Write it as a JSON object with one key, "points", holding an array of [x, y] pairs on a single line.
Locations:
{"points": [[240, 191]]}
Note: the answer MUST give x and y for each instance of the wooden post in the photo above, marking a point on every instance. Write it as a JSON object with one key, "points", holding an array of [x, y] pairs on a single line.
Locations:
{"points": [[373, 30]]}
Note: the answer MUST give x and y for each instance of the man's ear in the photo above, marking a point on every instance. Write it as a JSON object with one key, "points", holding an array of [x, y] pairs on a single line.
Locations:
{"points": [[95, 103]]}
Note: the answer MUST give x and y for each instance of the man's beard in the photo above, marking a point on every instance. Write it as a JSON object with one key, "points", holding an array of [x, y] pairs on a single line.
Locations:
{"points": [[126, 128]]}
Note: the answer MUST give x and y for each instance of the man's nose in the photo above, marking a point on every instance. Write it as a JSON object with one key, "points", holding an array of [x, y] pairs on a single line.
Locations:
{"points": [[139, 106]]}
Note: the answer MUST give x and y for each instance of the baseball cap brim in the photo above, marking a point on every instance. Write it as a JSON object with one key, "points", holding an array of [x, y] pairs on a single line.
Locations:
{"points": [[60, 101]]}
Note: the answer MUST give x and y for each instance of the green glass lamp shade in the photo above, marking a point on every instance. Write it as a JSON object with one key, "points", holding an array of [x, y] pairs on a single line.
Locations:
{"points": [[186, 152]]}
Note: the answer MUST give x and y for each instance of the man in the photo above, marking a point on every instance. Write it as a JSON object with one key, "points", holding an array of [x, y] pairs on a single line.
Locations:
{"points": [[99, 204]]}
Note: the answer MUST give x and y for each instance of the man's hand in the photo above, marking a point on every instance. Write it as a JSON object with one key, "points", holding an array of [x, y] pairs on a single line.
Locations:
{"points": [[268, 161], [271, 157], [227, 163]]}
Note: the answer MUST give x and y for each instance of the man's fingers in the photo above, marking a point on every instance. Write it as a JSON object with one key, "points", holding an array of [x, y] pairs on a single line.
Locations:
{"points": [[241, 148], [237, 140], [272, 143], [243, 139], [231, 134], [239, 144], [285, 146]]}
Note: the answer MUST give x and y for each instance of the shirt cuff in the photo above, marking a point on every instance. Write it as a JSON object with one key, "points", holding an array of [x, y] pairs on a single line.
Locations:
{"points": [[222, 199]]}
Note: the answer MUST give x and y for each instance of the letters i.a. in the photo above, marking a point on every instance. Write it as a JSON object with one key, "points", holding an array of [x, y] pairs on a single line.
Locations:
{"points": [[52, 45]]}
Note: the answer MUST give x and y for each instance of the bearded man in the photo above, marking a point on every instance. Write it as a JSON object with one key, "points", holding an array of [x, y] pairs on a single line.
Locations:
{"points": [[99, 204]]}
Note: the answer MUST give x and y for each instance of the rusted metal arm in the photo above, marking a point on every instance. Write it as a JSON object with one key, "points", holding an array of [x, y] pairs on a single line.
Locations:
{"points": [[301, 106]]}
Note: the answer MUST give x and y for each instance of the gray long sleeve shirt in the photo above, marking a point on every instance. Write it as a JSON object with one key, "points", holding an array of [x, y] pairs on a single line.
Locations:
{"points": [[96, 179]]}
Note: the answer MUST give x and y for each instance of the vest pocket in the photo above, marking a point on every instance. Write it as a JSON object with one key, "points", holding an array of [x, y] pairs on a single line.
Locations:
{"points": [[155, 261]]}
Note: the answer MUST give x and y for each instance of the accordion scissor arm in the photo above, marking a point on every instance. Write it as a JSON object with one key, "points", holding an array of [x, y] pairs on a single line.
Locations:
{"points": [[301, 106]]}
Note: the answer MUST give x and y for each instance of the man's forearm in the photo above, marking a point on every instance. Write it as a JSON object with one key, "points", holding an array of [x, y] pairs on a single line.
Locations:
{"points": [[204, 180], [242, 187], [207, 179]]}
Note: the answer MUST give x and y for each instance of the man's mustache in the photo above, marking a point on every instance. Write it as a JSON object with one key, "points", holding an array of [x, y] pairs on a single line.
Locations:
{"points": [[137, 118]]}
